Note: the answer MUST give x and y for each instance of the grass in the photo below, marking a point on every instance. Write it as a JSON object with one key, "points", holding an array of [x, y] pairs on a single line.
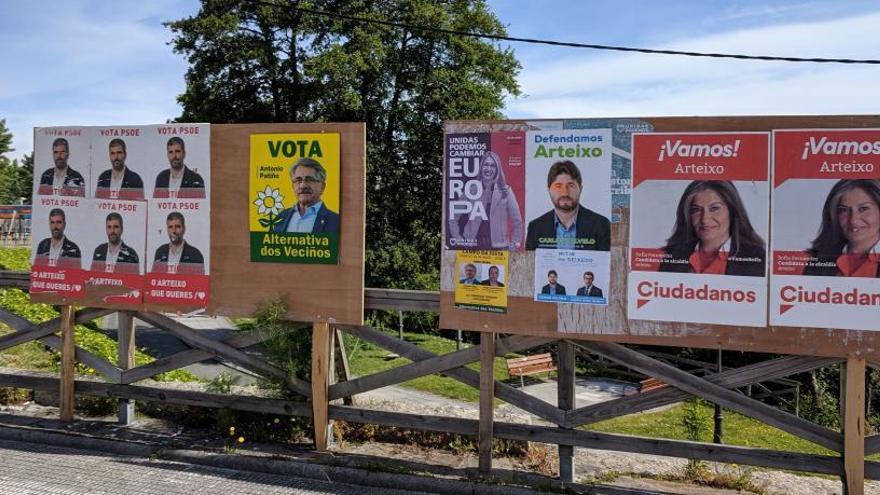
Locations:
{"points": [[365, 358], [738, 430]]}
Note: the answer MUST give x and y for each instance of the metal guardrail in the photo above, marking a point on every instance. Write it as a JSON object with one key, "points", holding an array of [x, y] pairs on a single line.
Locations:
{"points": [[384, 299]]}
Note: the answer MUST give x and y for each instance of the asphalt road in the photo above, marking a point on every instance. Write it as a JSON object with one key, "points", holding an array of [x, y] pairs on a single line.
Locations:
{"points": [[32, 469]]}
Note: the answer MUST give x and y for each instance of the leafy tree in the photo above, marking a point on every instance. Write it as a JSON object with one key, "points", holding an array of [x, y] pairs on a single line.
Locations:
{"points": [[15, 180], [262, 61]]}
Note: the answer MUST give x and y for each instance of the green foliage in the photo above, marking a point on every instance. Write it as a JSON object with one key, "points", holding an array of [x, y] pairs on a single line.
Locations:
{"points": [[15, 179], [250, 62], [289, 345], [15, 259]]}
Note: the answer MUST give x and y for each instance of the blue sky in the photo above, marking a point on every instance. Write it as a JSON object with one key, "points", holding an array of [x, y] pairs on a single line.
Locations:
{"points": [[94, 62]]}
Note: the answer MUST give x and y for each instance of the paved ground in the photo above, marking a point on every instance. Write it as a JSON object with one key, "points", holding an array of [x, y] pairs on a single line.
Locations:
{"points": [[31, 469], [159, 343]]}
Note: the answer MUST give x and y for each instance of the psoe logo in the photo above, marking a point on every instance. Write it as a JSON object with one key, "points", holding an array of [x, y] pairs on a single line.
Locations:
{"points": [[649, 290], [792, 295]]}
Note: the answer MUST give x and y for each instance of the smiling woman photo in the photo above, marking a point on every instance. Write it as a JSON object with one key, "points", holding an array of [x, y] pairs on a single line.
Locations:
{"points": [[713, 234], [847, 243]]}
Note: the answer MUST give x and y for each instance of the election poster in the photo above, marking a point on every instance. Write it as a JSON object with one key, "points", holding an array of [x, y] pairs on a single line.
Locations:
{"points": [[59, 230], [572, 276], [294, 198], [62, 161], [120, 158], [484, 184], [699, 224], [481, 280], [178, 258], [568, 189], [114, 244], [179, 162], [826, 228]]}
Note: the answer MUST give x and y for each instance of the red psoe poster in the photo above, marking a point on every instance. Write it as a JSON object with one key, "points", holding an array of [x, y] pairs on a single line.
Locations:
{"points": [[59, 229], [826, 228], [699, 227], [178, 267], [117, 236]]}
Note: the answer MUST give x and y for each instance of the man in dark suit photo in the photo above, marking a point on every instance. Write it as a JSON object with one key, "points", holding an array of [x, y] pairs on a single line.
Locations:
{"points": [[178, 256], [178, 180], [589, 289], [57, 250], [62, 179], [119, 182], [115, 256], [309, 214], [552, 287], [569, 225]]}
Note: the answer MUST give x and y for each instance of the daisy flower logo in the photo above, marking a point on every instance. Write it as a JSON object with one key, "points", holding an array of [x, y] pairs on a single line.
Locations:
{"points": [[269, 202]]}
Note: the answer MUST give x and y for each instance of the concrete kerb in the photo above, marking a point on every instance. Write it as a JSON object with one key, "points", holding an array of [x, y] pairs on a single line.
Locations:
{"points": [[292, 467]]}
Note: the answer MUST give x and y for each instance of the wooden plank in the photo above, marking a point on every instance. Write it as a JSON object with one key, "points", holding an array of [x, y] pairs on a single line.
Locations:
{"points": [[221, 349], [15, 280], [674, 448], [719, 395], [126, 339], [67, 398], [402, 300], [32, 333], [487, 382], [603, 441], [565, 399], [46, 381], [469, 377], [320, 382], [188, 357], [343, 372], [524, 316], [435, 364], [854, 427], [788, 365], [311, 292]]}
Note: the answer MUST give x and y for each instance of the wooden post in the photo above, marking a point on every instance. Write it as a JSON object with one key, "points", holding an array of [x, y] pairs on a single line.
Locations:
{"points": [[67, 396], [487, 395], [565, 398], [853, 405], [125, 337], [320, 381], [718, 434]]}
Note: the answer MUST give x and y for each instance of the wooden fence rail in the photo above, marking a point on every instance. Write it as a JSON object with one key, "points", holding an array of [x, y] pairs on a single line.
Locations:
{"points": [[563, 420]]}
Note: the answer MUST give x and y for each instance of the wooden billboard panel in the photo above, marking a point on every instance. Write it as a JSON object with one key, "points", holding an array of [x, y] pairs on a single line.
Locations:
{"points": [[610, 323], [311, 292]]}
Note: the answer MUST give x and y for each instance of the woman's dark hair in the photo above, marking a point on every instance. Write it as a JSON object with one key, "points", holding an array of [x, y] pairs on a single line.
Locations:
{"points": [[741, 231], [830, 239]]}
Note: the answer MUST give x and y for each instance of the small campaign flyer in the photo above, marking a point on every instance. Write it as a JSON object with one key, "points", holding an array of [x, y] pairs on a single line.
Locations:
{"points": [[59, 232], [294, 198], [484, 190], [116, 237], [699, 224], [572, 276], [481, 280], [568, 189], [178, 242], [826, 228]]}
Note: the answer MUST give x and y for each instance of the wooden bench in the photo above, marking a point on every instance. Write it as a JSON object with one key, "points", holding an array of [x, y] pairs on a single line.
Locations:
{"points": [[651, 384], [530, 365]]}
